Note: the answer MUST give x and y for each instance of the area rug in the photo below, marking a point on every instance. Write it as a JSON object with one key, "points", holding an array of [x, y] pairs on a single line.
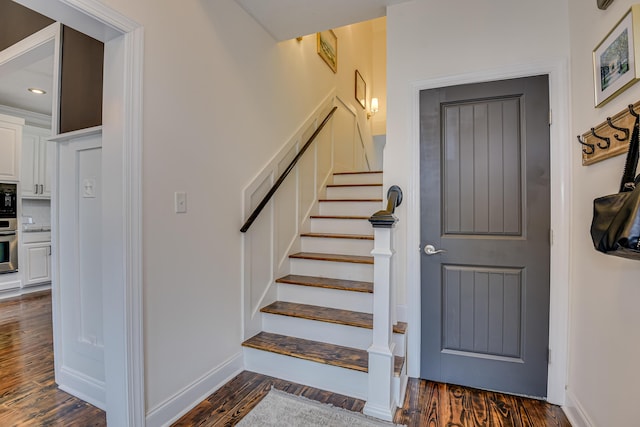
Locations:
{"points": [[282, 409]]}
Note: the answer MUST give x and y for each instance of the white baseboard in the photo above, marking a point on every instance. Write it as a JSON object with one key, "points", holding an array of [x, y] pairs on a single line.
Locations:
{"points": [[575, 412], [182, 402], [82, 386]]}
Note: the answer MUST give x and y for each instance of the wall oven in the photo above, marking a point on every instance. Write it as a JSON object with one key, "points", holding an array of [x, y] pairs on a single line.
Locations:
{"points": [[8, 228], [8, 200]]}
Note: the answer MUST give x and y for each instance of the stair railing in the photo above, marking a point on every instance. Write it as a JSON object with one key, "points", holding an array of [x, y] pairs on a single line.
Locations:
{"points": [[380, 401], [284, 174]]}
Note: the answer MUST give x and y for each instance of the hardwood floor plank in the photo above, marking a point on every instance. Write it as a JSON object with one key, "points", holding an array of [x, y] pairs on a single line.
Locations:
{"points": [[28, 393]]}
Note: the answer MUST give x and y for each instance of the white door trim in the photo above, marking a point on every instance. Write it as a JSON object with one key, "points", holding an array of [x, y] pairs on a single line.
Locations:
{"points": [[560, 212], [122, 166]]}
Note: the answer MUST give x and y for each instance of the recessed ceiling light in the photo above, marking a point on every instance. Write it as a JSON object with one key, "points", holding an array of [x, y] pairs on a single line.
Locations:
{"points": [[36, 91]]}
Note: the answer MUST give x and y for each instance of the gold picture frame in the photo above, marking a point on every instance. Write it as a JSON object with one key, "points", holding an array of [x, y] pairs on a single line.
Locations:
{"points": [[327, 46], [616, 59]]}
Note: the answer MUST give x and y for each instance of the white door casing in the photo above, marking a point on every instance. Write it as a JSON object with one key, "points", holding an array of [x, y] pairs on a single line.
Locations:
{"points": [[560, 212]]}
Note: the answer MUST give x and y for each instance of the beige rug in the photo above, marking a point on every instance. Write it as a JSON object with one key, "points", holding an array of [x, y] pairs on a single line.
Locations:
{"points": [[282, 409]]}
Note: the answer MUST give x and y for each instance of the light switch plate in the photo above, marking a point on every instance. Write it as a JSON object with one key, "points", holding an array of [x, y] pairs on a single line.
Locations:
{"points": [[180, 201], [89, 188]]}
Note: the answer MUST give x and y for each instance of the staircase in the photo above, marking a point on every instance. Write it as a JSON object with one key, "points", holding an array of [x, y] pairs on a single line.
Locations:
{"points": [[318, 331]]}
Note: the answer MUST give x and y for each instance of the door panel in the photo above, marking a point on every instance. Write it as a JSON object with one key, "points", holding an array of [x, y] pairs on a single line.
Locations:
{"points": [[485, 201]]}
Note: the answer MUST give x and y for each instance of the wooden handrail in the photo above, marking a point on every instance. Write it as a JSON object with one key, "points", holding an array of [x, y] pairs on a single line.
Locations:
{"points": [[385, 217], [284, 174]]}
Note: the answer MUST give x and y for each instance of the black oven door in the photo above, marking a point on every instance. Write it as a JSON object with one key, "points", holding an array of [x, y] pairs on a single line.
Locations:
{"points": [[8, 253]]}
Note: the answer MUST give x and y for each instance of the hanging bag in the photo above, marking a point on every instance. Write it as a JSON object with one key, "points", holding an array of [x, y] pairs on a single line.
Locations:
{"points": [[615, 229]]}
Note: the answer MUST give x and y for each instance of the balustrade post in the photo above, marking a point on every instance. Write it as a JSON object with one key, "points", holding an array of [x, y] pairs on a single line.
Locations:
{"points": [[380, 402]]}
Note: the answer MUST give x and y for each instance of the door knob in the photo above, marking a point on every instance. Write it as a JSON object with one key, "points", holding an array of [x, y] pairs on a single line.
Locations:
{"points": [[431, 250]]}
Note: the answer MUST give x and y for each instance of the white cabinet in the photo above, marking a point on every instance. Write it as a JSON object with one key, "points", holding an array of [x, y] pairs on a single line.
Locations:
{"points": [[10, 142], [36, 259], [37, 163]]}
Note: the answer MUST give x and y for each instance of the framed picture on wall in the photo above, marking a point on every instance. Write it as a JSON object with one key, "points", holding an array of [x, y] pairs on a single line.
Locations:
{"points": [[615, 59], [361, 90], [328, 48]]}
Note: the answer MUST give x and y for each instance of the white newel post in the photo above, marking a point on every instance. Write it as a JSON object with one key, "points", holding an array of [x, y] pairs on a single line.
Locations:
{"points": [[380, 402]]}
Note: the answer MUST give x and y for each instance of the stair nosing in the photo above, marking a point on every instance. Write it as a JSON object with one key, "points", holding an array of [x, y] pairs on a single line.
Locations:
{"points": [[338, 236], [327, 283], [353, 259], [356, 173], [353, 185], [350, 200], [339, 217], [332, 315], [362, 355]]}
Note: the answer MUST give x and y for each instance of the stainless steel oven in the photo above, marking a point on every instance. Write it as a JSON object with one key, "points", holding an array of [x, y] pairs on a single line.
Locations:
{"points": [[8, 245]]}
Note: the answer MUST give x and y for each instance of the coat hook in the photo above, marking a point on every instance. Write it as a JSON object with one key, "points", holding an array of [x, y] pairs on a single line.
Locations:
{"points": [[592, 148], [605, 139], [632, 111], [615, 135]]}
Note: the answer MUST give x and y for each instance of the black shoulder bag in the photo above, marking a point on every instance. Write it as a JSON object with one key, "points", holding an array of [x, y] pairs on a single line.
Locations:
{"points": [[615, 229]]}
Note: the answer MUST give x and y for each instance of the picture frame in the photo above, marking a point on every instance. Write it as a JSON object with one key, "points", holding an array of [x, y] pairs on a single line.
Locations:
{"points": [[361, 90], [616, 59], [327, 47]]}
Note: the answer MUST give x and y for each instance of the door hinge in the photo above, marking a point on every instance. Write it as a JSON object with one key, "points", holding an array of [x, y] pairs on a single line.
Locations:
{"points": [[548, 355], [550, 116], [551, 237]]}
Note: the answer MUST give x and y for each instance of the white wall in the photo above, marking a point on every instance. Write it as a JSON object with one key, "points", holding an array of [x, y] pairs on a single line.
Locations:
{"points": [[605, 339], [220, 98]]}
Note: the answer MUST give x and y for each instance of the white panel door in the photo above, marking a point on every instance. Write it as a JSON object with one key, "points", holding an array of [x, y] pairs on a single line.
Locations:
{"points": [[80, 370]]}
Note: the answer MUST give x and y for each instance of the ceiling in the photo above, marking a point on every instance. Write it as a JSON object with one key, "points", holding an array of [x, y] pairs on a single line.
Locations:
{"points": [[288, 19], [34, 69]]}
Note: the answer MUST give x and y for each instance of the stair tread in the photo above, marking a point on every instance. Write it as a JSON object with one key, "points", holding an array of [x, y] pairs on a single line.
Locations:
{"points": [[350, 200], [356, 173], [355, 259], [338, 236], [338, 217], [315, 351], [325, 282], [325, 314], [353, 185]]}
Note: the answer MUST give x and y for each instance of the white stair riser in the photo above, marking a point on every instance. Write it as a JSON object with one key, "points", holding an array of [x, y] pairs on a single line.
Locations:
{"points": [[333, 270], [337, 246], [359, 178], [332, 333], [332, 298], [318, 375], [355, 192], [350, 208], [343, 226]]}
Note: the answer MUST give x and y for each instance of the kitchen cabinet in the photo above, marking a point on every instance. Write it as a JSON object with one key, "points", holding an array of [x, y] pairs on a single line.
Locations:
{"points": [[10, 142], [37, 163], [36, 259]]}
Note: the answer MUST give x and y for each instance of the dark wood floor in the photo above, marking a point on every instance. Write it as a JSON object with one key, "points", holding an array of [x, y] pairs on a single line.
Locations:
{"points": [[28, 393], [426, 404], [29, 396]]}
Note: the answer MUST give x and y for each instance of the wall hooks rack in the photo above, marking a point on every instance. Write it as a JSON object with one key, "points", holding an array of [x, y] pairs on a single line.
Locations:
{"points": [[610, 138]]}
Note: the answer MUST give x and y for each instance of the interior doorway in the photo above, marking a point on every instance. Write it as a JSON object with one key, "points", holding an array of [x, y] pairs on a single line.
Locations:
{"points": [[121, 166]]}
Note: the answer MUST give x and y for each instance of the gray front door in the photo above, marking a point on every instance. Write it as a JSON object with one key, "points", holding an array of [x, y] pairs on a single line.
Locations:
{"points": [[484, 153]]}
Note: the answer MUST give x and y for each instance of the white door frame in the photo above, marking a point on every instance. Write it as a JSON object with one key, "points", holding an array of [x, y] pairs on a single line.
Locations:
{"points": [[560, 212], [122, 177]]}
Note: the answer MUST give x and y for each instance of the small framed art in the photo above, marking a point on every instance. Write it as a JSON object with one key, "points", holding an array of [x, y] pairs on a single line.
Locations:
{"points": [[328, 48], [616, 59]]}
